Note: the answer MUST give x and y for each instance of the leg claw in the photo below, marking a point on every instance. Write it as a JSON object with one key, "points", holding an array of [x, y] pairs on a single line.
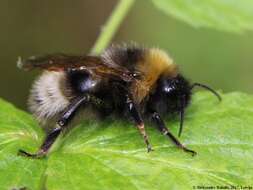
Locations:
{"points": [[190, 151], [149, 149], [40, 154]]}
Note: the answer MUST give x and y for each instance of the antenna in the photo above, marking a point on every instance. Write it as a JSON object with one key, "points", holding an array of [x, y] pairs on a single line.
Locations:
{"points": [[207, 88], [181, 115]]}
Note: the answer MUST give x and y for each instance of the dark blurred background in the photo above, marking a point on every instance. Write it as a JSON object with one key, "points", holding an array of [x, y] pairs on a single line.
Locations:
{"points": [[222, 60]]}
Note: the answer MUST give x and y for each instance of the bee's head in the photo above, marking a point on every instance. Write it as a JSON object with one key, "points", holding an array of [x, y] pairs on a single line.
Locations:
{"points": [[176, 92], [173, 95]]}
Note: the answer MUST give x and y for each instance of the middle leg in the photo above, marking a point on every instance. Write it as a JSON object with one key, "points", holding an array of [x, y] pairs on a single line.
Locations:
{"points": [[131, 107]]}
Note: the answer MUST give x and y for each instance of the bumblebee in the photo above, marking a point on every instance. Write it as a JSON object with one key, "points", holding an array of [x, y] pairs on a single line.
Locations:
{"points": [[130, 81]]}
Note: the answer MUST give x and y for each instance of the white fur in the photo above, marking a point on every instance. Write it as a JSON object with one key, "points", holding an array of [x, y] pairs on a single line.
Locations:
{"points": [[47, 98]]}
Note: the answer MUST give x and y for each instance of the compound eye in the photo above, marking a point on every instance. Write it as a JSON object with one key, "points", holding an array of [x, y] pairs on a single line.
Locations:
{"points": [[168, 89], [167, 86]]}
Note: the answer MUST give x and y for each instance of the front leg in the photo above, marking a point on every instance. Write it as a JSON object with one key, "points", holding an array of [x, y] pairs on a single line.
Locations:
{"points": [[131, 107], [161, 126], [61, 124]]}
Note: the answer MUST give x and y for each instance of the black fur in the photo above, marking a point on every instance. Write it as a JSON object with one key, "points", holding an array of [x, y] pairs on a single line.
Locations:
{"points": [[124, 56]]}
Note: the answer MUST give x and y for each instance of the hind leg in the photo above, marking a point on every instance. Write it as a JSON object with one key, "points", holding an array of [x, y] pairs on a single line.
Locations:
{"points": [[61, 124]]}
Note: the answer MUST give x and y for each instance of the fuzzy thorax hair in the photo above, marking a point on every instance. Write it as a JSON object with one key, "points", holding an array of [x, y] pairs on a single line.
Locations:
{"points": [[155, 64]]}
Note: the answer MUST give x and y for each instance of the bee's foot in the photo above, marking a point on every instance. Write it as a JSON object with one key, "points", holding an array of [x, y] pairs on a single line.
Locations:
{"points": [[149, 149], [190, 151], [40, 154]]}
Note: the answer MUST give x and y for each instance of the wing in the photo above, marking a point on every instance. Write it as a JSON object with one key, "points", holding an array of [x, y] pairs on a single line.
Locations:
{"points": [[63, 62]]}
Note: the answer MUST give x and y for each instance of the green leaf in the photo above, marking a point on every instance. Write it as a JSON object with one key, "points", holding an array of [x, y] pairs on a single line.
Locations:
{"points": [[228, 15], [112, 155]]}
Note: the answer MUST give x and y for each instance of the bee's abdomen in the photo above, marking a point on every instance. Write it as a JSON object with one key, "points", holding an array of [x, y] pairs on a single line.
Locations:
{"points": [[47, 97]]}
